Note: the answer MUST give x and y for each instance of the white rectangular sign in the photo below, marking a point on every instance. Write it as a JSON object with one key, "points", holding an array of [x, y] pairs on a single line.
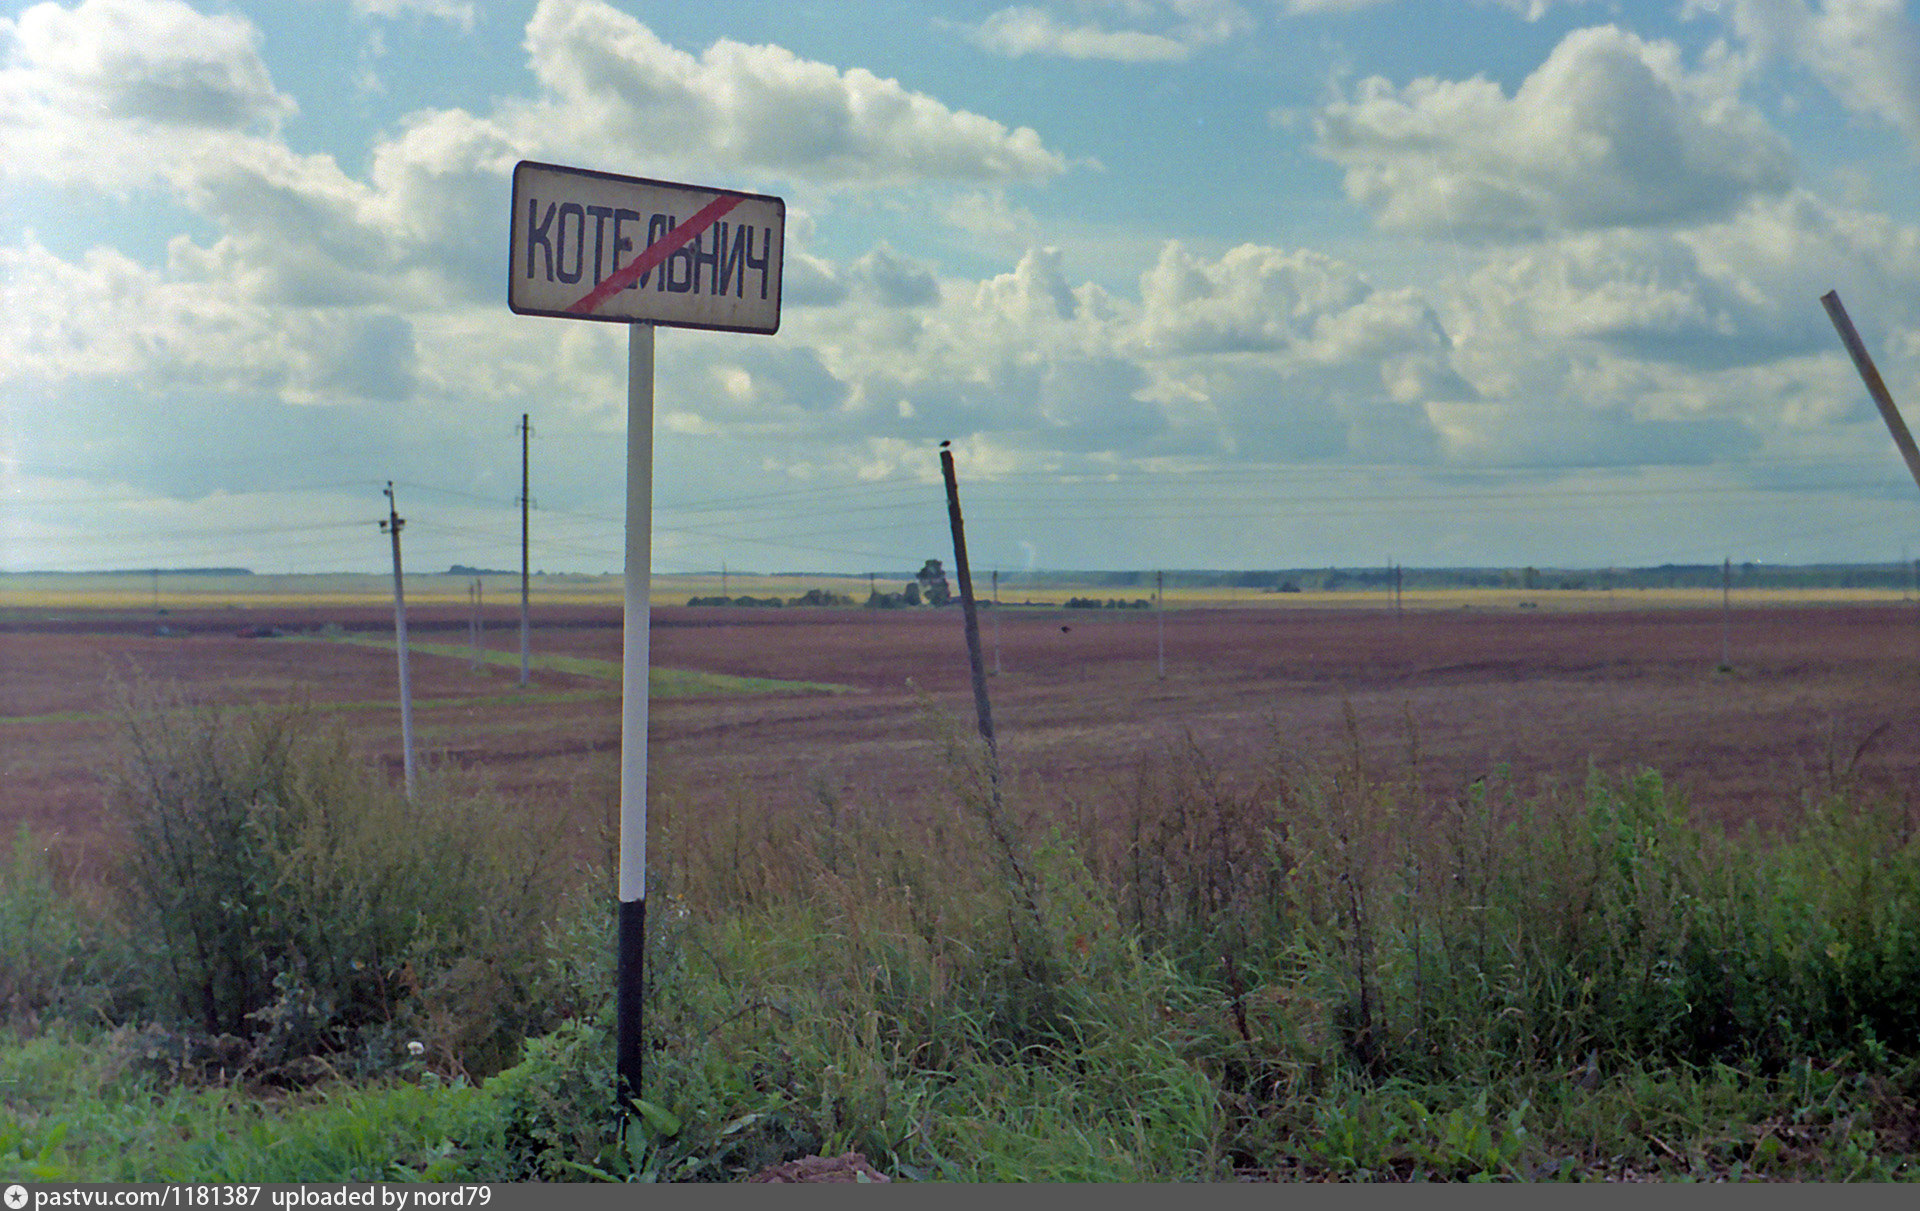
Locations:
{"points": [[595, 246]]}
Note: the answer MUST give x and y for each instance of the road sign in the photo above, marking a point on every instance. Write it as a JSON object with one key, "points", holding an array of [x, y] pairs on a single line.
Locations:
{"points": [[595, 246]]}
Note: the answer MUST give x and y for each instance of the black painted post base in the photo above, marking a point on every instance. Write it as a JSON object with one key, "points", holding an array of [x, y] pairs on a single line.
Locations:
{"points": [[630, 1041]]}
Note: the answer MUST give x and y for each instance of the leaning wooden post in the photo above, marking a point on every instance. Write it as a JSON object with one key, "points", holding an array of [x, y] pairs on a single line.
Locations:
{"points": [[983, 709], [1876, 386], [1031, 942]]}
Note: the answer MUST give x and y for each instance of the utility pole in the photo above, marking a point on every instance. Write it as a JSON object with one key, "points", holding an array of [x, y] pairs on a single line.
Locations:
{"points": [[1160, 617], [475, 596], [526, 618], [1876, 386], [1726, 610], [983, 709], [393, 525], [996, 623]]}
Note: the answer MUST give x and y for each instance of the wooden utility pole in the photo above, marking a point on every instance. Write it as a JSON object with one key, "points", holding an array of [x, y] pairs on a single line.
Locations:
{"points": [[996, 623], [1160, 618], [476, 598], [1876, 386], [983, 709], [393, 525], [526, 613], [1726, 611]]}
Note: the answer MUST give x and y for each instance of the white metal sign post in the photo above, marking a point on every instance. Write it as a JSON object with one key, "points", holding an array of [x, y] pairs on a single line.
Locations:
{"points": [[594, 246]]}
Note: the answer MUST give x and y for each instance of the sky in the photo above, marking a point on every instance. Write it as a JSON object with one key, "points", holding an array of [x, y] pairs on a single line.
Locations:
{"points": [[1231, 284]]}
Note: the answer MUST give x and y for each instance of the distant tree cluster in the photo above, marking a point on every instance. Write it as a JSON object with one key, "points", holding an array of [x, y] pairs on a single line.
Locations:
{"points": [[1111, 603], [820, 597], [928, 587], [932, 582], [812, 597]]}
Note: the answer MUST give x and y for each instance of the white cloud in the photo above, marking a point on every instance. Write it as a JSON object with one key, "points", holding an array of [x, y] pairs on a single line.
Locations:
{"points": [[609, 81], [1310, 7], [1532, 10], [1015, 32], [896, 281], [988, 215], [1294, 354], [1739, 292], [1253, 298], [106, 318], [1660, 310], [1683, 346], [1261, 352], [89, 94], [323, 287], [1611, 130], [1188, 26], [1866, 52], [454, 12]]}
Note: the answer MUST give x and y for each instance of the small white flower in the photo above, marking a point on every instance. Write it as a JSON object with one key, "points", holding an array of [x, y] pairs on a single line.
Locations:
{"points": [[416, 1048]]}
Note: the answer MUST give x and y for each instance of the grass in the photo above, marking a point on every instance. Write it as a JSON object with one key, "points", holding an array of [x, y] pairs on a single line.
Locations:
{"points": [[662, 683], [1323, 974]]}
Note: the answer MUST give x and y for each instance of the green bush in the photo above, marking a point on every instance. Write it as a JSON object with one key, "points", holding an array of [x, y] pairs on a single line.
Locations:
{"points": [[294, 900]]}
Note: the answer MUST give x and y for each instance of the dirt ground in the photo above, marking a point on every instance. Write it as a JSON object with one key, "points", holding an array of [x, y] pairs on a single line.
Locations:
{"points": [[1807, 696]]}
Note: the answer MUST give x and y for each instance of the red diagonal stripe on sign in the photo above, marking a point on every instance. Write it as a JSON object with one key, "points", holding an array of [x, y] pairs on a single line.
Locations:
{"points": [[655, 253]]}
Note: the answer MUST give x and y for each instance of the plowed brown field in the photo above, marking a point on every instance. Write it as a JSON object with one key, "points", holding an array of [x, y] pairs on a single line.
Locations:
{"points": [[1809, 695]]}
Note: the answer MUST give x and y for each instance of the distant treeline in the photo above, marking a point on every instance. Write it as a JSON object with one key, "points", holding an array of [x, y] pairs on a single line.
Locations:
{"points": [[1749, 575], [1892, 575], [145, 572], [812, 597]]}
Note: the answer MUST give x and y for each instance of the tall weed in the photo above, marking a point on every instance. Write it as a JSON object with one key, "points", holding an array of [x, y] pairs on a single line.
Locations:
{"points": [[295, 901]]}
